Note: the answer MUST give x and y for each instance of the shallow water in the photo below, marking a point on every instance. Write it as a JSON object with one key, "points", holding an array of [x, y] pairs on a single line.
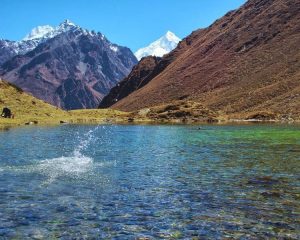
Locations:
{"points": [[160, 182]]}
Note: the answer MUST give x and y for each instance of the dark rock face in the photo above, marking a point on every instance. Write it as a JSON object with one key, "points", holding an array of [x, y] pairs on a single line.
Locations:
{"points": [[139, 77], [245, 62], [72, 70]]}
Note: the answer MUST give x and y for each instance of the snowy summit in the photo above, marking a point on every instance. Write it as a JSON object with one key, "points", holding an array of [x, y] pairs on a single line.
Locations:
{"points": [[160, 47], [38, 32], [49, 31], [39, 35]]}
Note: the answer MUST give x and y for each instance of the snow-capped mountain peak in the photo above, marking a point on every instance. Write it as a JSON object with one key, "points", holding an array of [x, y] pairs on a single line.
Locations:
{"points": [[67, 22], [160, 47], [172, 37], [66, 25], [48, 31], [38, 32], [37, 35]]}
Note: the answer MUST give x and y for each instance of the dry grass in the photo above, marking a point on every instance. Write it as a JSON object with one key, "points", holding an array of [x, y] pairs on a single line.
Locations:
{"points": [[180, 111], [27, 109]]}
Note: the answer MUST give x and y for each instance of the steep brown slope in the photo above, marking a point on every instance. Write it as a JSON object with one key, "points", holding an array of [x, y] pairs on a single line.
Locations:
{"points": [[245, 62], [140, 75]]}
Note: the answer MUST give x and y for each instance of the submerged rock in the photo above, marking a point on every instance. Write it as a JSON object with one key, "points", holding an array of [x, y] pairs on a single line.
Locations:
{"points": [[265, 180], [276, 194]]}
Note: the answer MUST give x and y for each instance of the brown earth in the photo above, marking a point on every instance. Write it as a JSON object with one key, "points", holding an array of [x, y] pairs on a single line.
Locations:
{"points": [[178, 112], [245, 63]]}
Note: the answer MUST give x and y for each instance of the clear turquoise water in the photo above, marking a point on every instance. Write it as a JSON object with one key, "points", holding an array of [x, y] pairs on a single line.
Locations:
{"points": [[160, 182]]}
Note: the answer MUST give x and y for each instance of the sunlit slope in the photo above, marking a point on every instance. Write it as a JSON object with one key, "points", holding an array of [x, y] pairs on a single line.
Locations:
{"points": [[27, 108]]}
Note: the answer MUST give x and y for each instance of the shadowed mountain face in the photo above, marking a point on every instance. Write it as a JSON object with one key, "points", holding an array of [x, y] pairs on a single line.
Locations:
{"points": [[139, 77], [246, 61], [72, 70]]}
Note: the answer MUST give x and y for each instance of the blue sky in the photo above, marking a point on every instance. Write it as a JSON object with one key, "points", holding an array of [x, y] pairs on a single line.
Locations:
{"points": [[131, 23]]}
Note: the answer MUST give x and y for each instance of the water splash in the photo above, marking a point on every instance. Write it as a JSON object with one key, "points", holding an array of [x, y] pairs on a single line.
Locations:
{"points": [[85, 141], [76, 165], [73, 166]]}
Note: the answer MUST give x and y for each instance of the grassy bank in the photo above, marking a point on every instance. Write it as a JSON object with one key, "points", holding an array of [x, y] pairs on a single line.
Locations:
{"points": [[28, 110]]}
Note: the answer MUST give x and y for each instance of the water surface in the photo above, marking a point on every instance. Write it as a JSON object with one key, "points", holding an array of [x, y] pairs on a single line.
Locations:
{"points": [[156, 182]]}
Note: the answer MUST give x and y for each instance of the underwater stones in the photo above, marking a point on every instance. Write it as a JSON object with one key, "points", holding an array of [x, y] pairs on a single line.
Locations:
{"points": [[276, 194], [61, 209], [141, 197], [36, 235], [264, 180], [6, 233], [22, 222], [176, 235], [73, 222]]}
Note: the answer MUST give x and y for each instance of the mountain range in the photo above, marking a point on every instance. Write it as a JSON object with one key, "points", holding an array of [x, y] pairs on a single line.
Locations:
{"points": [[66, 66], [245, 63], [248, 61], [160, 47]]}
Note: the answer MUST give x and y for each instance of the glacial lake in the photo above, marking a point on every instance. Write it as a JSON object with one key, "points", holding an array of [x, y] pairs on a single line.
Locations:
{"points": [[150, 182]]}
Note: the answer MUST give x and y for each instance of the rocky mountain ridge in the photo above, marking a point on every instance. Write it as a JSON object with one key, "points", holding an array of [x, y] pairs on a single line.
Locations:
{"points": [[9, 49], [70, 67]]}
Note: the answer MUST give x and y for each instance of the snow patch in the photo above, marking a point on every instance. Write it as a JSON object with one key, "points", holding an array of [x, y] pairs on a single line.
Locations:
{"points": [[114, 48], [82, 67]]}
